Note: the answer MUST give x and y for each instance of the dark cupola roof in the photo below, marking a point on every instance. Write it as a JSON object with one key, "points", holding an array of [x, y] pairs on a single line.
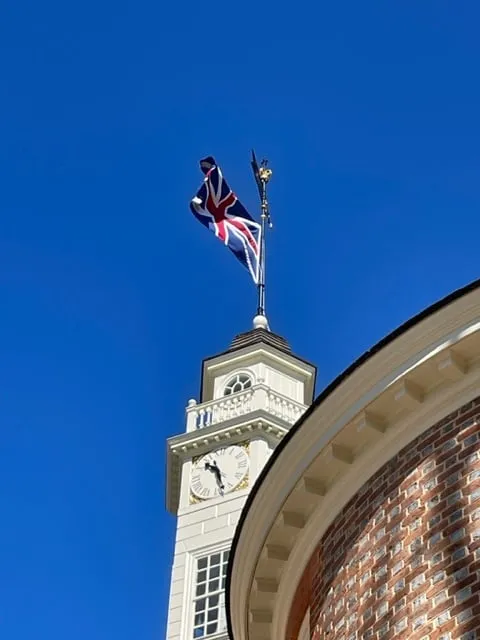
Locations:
{"points": [[260, 335]]}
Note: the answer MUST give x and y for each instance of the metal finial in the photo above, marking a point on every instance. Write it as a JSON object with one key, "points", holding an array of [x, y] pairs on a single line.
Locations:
{"points": [[264, 173], [262, 176]]}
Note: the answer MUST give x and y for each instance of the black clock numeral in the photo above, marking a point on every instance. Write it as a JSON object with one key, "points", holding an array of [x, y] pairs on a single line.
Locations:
{"points": [[196, 478], [243, 463], [238, 475], [239, 455], [196, 486], [205, 492]]}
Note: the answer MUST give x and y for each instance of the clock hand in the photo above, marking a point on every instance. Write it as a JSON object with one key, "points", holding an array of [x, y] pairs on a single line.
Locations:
{"points": [[214, 468], [218, 475]]}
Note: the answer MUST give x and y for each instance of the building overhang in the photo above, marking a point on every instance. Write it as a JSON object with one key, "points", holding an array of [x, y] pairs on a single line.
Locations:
{"points": [[408, 382]]}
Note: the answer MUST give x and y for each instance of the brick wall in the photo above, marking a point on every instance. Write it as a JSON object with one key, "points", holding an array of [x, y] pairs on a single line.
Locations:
{"points": [[402, 559]]}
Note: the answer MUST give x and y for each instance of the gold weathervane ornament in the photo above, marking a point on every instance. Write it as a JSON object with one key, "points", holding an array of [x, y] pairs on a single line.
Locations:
{"points": [[263, 173]]}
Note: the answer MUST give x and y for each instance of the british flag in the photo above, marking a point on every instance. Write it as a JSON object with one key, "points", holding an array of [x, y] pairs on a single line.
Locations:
{"points": [[218, 208]]}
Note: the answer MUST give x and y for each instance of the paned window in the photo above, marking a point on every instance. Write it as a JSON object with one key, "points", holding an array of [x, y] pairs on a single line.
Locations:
{"points": [[209, 604], [240, 382]]}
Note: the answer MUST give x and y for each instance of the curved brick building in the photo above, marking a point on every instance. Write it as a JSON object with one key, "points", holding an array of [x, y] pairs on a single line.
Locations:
{"points": [[365, 522]]}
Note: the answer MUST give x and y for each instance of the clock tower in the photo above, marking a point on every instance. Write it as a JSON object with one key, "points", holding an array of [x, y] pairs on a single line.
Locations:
{"points": [[250, 396]]}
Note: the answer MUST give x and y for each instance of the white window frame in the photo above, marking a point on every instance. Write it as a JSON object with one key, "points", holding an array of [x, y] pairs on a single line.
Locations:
{"points": [[233, 377], [195, 556]]}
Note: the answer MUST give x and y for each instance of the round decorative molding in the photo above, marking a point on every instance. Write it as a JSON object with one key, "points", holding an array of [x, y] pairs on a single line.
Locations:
{"points": [[355, 426]]}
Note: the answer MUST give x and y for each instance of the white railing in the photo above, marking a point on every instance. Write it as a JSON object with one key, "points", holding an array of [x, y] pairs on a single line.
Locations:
{"points": [[259, 397], [284, 408]]}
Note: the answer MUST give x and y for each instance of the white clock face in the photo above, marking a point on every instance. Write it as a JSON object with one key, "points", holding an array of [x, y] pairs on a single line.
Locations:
{"points": [[219, 472]]}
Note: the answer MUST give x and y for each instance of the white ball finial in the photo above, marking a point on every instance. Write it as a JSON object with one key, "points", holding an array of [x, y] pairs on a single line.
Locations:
{"points": [[260, 322]]}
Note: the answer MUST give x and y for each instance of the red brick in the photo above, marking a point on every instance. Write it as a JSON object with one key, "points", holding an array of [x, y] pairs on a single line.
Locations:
{"points": [[392, 486]]}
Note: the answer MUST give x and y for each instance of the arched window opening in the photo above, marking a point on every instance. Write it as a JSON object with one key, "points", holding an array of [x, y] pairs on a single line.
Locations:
{"points": [[240, 382]]}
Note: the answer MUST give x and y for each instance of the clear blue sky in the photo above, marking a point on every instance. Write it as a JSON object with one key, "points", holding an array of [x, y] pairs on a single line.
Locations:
{"points": [[112, 293]]}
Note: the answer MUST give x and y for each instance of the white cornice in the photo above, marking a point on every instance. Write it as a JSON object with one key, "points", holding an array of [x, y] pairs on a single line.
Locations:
{"points": [[400, 391], [285, 359], [204, 437], [186, 445]]}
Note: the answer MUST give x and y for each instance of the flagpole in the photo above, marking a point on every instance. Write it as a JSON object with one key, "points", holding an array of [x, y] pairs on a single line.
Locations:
{"points": [[262, 177]]}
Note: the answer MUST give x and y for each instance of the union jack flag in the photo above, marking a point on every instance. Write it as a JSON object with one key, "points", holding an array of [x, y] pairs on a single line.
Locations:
{"points": [[218, 208]]}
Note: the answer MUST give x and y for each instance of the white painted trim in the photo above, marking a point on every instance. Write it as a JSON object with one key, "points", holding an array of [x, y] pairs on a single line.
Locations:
{"points": [[186, 624], [250, 373], [209, 549], [192, 557], [411, 353], [358, 474], [287, 360], [181, 448], [304, 633]]}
